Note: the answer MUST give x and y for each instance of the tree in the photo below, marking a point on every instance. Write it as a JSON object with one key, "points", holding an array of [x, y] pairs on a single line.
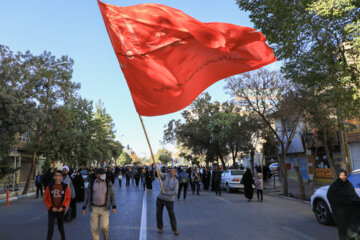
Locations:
{"points": [[271, 97], [164, 156], [124, 159], [48, 83], [16, 111], [103, 135], [318, 42], [194, 133], [347, 13]]}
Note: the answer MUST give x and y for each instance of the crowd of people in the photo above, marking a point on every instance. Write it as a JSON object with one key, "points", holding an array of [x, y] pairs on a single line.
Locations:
{"points": [[66, 187], [95, 188]]}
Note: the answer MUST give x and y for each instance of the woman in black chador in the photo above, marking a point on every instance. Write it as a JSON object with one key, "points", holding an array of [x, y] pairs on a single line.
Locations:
{"points": [[345, 204], [79, 187], [248, 182]]}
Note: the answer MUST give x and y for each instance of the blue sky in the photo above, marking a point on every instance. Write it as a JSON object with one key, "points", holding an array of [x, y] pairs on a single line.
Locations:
{"points": [[76, 29]]}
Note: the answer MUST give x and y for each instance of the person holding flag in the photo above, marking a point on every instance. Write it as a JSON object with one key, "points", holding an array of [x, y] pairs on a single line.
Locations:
{"points": [[166, 198]]}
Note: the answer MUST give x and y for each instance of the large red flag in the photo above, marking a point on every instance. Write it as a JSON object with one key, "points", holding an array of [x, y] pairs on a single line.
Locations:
{"points": [[168, 58]]}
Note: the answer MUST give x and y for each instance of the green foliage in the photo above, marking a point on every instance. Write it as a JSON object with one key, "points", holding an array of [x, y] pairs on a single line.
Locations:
{"points": [[124, 159], [164, 156], [37, 97], [212, 129], [318, 44]]}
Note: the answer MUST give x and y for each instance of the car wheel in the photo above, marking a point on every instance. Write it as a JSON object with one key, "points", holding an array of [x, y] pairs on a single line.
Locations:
{"points": [[322, 212], [228, 188]]}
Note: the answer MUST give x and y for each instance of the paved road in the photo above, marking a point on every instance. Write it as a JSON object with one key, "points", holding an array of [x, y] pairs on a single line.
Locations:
{"points": [[199, 217]]}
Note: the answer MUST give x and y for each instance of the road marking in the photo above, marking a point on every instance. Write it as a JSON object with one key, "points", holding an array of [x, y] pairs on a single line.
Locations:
{"points": [[224, 200], [300, 234], [143, 220], [35, 218]]}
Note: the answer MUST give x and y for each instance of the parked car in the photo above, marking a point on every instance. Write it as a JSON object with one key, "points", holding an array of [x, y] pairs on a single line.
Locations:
{"points": [[320, 204], [274, 168], [230, 179]]}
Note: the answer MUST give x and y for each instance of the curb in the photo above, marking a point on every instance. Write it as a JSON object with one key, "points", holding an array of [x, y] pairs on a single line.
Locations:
{"points": [[3, 201], [287, 198]]}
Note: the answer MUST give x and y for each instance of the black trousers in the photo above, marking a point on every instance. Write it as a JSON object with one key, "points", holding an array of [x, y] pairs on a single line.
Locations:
{"points": [[159, 212], [197, 187], [259, 193], [120, 182], [181, 185], [39, 188], [127, 181], [217, 188], [51, 222]]}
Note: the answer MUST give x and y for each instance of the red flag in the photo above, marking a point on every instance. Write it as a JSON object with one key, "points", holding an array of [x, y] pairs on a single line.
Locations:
{"points": [[168, 58]]}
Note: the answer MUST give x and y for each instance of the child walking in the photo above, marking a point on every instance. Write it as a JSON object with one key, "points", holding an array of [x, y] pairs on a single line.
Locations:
{"points": [[259, 187]]}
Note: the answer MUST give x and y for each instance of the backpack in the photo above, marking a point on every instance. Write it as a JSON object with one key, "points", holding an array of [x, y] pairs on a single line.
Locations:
{"points": [[183, 177]]}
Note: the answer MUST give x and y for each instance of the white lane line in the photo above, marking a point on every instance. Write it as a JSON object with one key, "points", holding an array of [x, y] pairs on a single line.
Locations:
{"points": [[300, 234], [143, 220], [224, 200], [35, 218]]}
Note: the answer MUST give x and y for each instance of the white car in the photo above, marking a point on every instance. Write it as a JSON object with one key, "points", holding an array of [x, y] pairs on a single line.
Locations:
{"points": [[320, 204], [274, 168], [230, 179]]}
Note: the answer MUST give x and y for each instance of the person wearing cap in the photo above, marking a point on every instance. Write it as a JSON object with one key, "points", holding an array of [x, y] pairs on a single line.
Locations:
{"points": [[70, 213], [100, 196], [57, 199]]}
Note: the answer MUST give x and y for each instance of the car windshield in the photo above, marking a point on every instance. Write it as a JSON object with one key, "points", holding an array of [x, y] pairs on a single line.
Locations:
{"points": [[355, 180], [235, 173]]}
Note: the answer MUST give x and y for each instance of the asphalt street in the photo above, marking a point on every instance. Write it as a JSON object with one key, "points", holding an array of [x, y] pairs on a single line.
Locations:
{"points": [[206, 216]]}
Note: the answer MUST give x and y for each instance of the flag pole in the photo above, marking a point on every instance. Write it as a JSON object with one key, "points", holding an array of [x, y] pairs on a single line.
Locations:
{"points": [[152, 154]]}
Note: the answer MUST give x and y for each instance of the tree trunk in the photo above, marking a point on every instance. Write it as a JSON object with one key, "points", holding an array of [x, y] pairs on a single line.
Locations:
{"points": [[328, 155], [234, 159], [28, 179], [222, 160], [283, 170], [252, 154], [301, 183]]}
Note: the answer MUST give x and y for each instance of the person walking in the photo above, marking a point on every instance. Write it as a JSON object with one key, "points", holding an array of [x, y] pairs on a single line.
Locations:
{"points": [[39, 184], [110, 176], [217, 181], [120, 176], [248, 182], [166, 198], [100, 196], [143, 182], [183, 182], [195, 177], [148, 178], [56, 198], [137, 177], [70, 213], [259, 187], [48, 177], [79, 187], [127, 175], [345, 204], [206, 179]]}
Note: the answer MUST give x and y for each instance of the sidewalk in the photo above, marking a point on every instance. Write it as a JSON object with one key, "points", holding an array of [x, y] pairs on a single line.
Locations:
{"points": [[293, 187], [18, 194]]}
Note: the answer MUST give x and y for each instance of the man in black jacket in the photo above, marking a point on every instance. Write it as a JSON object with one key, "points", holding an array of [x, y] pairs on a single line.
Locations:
{"points": [[39, 184]]}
